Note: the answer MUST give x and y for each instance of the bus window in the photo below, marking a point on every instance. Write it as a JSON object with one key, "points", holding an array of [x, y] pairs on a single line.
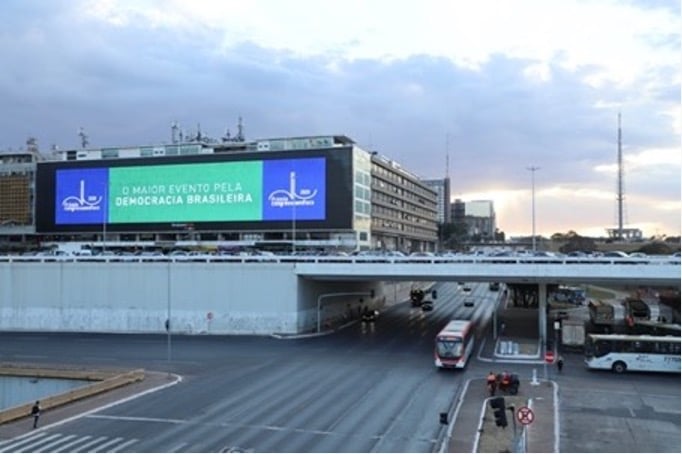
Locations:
{"points": [[449, 348]]}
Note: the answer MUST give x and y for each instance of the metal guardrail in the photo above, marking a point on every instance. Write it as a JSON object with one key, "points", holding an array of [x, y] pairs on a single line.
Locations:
{"points": [[321, 259]]}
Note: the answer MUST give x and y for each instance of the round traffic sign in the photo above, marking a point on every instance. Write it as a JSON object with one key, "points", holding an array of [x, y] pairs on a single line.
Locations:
{"points": [[549, 357], [525, 415]]}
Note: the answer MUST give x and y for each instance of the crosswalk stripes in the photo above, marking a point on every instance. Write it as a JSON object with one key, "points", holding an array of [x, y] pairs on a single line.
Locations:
{"points": [[57, 442]]}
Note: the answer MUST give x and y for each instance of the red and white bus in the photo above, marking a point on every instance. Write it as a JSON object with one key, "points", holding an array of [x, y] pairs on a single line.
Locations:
{"points": [[454, 344]]}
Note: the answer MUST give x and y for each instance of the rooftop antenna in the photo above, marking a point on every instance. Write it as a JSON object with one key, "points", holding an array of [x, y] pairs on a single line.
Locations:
{"points": [[240, 131], [84, 137], [447, 155], [174, 132], [621, 192]]}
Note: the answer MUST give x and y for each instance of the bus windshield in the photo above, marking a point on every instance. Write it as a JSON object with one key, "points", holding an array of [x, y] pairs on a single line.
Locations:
{"points": [[449, 347]]}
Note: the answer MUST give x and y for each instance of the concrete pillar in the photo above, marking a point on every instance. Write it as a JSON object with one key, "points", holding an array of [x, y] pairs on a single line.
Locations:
{"points": [[542, 308]]}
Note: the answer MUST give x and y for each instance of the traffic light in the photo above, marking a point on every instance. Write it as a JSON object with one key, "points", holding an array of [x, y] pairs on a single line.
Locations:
{"points": [[499, 410]]}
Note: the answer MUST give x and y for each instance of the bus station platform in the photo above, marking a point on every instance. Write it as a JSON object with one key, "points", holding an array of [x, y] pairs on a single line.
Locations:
{"points": [[472, 427]]}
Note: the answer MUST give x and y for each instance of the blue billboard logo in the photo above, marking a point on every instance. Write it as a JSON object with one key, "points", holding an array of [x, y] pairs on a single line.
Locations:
{"points": [[81, 196], [295, 189], [291, 197], [80, 202]]}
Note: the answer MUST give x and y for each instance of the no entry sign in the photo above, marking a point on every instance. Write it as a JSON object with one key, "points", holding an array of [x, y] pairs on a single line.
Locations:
{"points": [[525, 415]]}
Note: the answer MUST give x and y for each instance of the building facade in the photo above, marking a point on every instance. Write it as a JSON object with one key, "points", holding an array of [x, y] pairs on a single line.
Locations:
{"points": [[404, 209], [17, 193], [480, 219], [442, 189], [478, 216], [321, 192]]}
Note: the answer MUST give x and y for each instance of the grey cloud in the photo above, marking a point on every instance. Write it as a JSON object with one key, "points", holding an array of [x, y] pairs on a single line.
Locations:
{"points": [[126, 87]]}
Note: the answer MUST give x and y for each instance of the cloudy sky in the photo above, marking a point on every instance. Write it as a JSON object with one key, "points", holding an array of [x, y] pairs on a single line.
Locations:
{"points": [[499, 86]]}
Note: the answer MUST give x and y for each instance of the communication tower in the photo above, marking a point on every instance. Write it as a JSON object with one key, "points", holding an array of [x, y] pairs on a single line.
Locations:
{"points": [[621, 192], [84, 138]]}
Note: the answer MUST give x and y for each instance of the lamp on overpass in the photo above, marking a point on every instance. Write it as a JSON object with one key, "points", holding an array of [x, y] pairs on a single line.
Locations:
{"points": [[532, 182], [169, 326]]}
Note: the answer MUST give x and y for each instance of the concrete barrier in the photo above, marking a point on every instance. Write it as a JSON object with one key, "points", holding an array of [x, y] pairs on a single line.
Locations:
{"points": [[103, 381]]}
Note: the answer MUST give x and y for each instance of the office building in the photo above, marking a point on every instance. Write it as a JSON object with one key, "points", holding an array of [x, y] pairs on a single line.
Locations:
{"points": [[442, 188], [321, 192]]}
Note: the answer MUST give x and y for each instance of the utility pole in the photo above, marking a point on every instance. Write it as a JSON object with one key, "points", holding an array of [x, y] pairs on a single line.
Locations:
{"points": [[621, 195], [532, 179]]}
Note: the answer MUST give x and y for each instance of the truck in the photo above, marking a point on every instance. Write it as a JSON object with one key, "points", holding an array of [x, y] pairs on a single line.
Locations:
{"points": [[572, 333]]}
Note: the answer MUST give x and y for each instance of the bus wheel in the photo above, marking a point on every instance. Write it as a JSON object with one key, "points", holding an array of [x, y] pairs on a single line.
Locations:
{"points": [[619, 367]]}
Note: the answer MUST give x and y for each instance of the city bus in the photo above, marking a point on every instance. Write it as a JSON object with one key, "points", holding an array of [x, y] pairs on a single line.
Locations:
{"points": [[621, 352], [454, 344]]}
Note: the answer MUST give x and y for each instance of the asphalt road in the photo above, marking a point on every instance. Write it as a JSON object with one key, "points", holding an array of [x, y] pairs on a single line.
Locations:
{"points": [[368, 388]]}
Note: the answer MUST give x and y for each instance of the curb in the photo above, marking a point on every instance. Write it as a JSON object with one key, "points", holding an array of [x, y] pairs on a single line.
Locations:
{"points": [[104, 381]]}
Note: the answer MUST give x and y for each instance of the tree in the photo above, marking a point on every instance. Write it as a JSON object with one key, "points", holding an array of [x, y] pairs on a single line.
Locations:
{"points": [[578, 243], [557, 237], [454, 235], [656, 248]]}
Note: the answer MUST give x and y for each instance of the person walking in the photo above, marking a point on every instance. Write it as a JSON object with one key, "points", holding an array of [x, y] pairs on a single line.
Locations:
{"points": [[560, 363], [35, 412], [491, 381]]}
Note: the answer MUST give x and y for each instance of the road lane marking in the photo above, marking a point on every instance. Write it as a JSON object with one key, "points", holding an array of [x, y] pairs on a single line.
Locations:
{"points": [[138, 419]]}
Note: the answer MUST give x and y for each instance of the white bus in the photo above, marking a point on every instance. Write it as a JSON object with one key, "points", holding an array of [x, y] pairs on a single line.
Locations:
{"points": [[454, 345], [621, 352]]}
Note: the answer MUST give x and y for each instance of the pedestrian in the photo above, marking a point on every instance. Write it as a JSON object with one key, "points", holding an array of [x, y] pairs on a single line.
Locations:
{"points": [[491, 381], [502, 327], [560, 363], [35, 412]]}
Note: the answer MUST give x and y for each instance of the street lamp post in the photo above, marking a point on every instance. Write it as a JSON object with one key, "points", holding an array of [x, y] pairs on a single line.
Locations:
{"points": [[532, 179], [292, 189], [105, 216], [168, 319]]}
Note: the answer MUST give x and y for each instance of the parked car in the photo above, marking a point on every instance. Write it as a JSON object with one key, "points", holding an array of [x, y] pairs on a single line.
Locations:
{"points": [[616, 254], [427, 305]]}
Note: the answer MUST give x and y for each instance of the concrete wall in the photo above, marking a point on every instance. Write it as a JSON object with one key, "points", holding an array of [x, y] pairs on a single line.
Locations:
{"points": [[242, 298], [204, 298]]}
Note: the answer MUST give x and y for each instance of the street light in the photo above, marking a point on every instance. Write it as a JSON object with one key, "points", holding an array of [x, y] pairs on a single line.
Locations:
{"points": [[292, 190], [168, 319], [532, 179], [105, 216]]}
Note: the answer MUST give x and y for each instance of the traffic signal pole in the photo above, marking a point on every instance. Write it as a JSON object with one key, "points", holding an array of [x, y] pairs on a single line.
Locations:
{"points": [[513, 418]]}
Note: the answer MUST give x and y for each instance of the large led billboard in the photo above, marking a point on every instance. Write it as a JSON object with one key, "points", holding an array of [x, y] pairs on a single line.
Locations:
{"points": [[210, 193]]}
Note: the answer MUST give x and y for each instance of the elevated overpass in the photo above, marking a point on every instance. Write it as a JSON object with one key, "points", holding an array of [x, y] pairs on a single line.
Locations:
{"points": [[634, 272], [652, 271], [261, 294]]}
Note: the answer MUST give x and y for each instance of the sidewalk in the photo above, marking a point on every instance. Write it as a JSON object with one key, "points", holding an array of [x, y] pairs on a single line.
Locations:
{"points": [[152, 382], [467, 430]]}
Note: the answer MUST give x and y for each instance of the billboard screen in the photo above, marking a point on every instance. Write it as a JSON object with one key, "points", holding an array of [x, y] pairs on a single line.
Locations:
{"points": [[209, 192]]}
